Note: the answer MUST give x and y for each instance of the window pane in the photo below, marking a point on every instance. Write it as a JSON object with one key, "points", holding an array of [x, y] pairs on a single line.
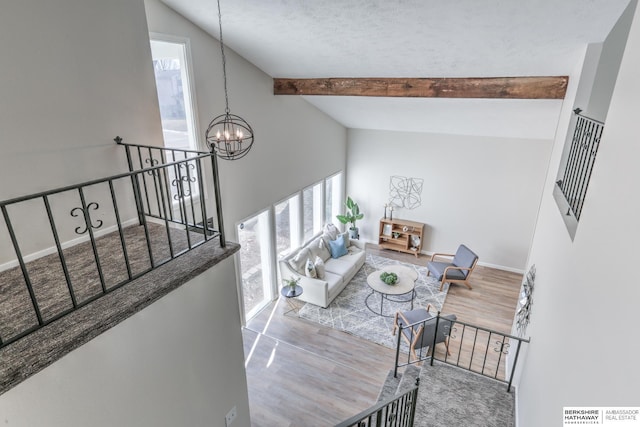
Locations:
{"points": [[333, 197], [174, 99], [287, 225], [312, 210], [253, 236]]}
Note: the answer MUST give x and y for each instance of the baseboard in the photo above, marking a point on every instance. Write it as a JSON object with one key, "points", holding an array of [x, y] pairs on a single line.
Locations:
{"points": [[52, 250], [484, 264]]}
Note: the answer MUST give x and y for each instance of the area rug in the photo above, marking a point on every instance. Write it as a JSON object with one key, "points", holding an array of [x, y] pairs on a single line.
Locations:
{"points": [[349, 313]]}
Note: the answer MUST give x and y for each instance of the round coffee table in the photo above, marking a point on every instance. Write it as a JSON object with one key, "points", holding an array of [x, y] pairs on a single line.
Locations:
{"points": [[401, 269], [404, 285]]}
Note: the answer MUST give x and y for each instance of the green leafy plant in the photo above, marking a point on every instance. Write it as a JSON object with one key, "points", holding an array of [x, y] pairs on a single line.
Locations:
{"points": [[352, 215], [291, 281], [389, 278]]}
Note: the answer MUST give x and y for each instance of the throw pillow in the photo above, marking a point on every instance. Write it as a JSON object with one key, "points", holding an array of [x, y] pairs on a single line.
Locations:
{"points": [[345, 236], [319, 265], [319, 248], [310, 269], [331, 231], [299, 260], [337, 247]]}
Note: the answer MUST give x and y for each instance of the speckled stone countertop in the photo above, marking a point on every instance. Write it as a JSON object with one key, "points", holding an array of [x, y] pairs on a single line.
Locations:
{"points": [[31, 354]]}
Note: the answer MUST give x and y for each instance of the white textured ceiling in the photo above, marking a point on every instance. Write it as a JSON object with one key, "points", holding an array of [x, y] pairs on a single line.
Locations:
{"points": [[413, 38]]}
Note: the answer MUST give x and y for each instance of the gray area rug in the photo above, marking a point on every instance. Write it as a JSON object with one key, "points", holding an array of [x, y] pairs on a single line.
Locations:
{"points": [[349, 313], [450, 396]]}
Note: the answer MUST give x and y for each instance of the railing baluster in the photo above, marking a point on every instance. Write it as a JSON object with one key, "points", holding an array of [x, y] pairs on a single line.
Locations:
{"points": [[166, 220], [134, 183], [166, 184], [203, 207], [154, 174], [120, 231], [216, 188], [144, 184], [63, 261], [183, 203], [87, 219], [23, 267]]}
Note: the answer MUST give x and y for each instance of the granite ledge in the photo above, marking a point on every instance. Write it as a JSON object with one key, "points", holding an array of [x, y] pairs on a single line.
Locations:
{"points": [[36, 351]]}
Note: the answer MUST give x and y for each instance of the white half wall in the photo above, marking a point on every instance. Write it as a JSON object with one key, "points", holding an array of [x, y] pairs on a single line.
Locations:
{"points": [[178, 362], [480, 191], [584, 319]]}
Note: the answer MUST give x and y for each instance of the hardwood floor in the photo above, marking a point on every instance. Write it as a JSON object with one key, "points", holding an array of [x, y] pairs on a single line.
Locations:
{"points": [[301, 373]]}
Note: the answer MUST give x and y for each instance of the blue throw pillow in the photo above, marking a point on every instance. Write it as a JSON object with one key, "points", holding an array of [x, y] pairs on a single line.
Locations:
{"points": [[337, 247]]}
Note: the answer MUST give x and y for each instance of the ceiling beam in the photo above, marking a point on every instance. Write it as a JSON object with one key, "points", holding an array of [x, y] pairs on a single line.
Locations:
{"points": [[553, 87]]}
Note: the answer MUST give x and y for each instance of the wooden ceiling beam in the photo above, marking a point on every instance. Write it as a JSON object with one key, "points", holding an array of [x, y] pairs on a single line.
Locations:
{"points": [[553, 87]]}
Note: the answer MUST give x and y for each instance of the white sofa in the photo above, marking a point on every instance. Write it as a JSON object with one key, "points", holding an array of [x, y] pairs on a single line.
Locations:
{"points": [[337, 271]]}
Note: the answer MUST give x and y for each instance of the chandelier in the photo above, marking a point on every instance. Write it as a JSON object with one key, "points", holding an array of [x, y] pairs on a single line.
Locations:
{"points": [[229, 136]]}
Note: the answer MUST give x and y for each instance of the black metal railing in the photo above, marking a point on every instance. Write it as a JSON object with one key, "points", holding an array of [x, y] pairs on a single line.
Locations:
{"points": [[582, 156], [92, 238], [397, 411], [466, 346]]}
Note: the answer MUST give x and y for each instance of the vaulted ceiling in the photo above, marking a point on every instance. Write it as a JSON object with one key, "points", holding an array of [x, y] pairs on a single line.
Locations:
{"points": [[415, 38]]}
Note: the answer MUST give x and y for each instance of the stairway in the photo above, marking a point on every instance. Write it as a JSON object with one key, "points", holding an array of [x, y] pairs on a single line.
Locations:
{"points": [[451, 396]]}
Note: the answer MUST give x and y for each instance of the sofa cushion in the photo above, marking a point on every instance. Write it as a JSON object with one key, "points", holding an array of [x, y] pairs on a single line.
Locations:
{"points": [[337, 247], [437, 270], [335, 284], [339, 266], [298, 261]]}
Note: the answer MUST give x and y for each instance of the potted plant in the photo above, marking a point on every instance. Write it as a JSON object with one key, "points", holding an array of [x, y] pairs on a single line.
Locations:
{"points": [[291, 282], [351, 216]]}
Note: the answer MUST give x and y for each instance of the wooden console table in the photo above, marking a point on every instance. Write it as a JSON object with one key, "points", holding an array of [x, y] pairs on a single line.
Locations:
{"points": [[401, 235]]}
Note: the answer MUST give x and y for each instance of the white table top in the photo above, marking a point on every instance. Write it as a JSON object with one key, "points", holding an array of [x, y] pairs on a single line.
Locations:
{"points": [[404, 285], [401, 269]]}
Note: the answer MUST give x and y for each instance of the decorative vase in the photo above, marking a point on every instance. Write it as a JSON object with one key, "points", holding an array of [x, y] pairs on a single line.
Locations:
{"points": [[354, 233]]}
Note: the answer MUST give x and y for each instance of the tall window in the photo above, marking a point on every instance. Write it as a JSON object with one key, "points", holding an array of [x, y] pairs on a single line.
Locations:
{"points": [[267, 236], [313, 215], [575, 174], [333, 197], [175, 98]]}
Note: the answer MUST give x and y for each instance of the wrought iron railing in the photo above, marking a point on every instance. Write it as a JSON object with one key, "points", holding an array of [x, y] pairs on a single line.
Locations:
{"points": [[474, 348], [580, 161], [397, 411], [128, 224]]}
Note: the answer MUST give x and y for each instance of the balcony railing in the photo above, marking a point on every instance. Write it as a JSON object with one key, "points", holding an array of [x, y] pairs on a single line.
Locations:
{"points": [[467, 346], [397, 411], [74, 244]]}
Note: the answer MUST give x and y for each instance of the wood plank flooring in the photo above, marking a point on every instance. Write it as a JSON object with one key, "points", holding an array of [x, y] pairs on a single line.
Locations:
{"points": [[303, 374]]}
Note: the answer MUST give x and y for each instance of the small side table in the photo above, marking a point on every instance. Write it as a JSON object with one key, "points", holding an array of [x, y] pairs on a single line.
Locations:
{"points": [[289, 293]]}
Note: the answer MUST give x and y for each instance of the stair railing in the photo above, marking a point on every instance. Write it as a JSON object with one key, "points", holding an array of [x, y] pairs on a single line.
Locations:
{"points": [[167, 187], [397, 411], [466, 346]]}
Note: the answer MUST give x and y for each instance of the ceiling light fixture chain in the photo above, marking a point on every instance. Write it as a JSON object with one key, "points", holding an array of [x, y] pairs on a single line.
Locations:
{"points": [[229, 136], [224, 61]]}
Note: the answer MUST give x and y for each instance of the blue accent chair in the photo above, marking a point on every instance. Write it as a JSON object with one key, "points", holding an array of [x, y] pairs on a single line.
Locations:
{"points": [[457, 269]]}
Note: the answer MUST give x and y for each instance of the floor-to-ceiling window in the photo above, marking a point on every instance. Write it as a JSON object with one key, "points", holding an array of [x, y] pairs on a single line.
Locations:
{"points": [[276, 231], [257, 272], [312, 210], [333, 197]]}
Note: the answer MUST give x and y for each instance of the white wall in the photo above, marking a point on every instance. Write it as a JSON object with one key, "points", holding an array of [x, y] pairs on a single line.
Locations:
{"points": [[75, 73], [295, 144], [176, 363], [481, 191], [583, 350]]}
